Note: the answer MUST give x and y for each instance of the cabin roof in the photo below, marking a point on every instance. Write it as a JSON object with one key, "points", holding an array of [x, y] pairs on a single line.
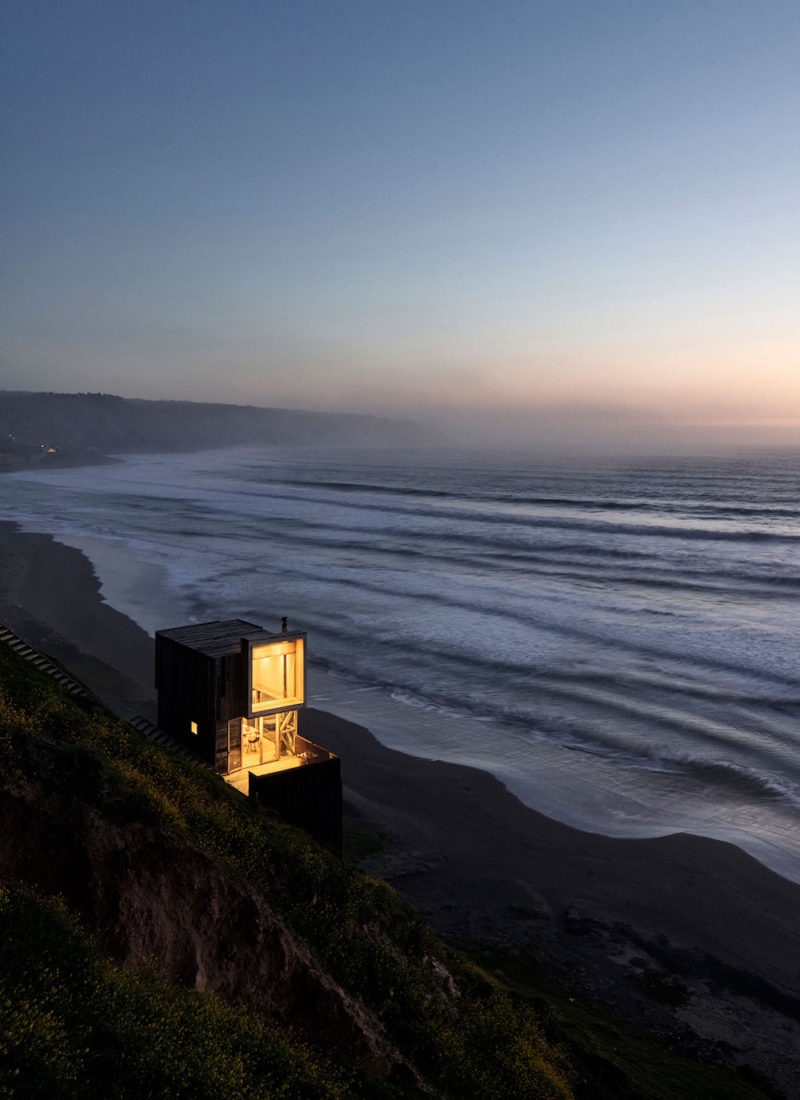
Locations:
{"points": [[214, 639]]}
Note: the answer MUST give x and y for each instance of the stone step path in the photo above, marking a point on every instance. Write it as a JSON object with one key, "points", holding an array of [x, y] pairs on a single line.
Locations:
{"points": [[13, 641]]}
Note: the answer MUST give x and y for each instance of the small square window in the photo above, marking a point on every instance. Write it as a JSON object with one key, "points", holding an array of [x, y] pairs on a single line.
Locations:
{"points": [[194, 727]]}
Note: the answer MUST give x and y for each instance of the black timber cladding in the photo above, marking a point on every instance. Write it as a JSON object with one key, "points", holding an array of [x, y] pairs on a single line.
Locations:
{"points": [[309, 796], [198, 673]]}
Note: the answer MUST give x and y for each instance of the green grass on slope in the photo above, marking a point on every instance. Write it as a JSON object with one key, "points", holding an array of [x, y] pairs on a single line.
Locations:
{"points": [[465, 1037], [470, 1030], [74, 1025], [617, 1062]]}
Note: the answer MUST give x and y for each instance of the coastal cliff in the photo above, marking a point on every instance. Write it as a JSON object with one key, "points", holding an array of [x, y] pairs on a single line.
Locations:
{"points": [[184, 885], [167, 867], [148, 894]]}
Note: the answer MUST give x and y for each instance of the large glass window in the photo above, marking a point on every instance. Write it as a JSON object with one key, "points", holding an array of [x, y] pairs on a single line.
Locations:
{"points": [[256, 741], [259, 741], [277, 676]]}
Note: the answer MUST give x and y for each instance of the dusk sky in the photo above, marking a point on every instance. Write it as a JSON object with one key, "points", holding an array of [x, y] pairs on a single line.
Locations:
{"points": [[585, 210]]}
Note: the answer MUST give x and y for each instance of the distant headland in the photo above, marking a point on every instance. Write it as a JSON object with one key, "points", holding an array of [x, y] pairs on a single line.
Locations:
{"points": [[58, 429]]}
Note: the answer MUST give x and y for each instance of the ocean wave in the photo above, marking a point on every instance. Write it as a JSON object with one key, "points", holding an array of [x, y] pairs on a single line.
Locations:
{"points": [[539, 697], [739, 779], [744, 781], [642, 618], [581, 561], [502, 517], [535, 618]]}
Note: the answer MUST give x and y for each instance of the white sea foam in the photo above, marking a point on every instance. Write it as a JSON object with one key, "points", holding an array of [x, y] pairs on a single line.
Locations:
{"points": [[617, 644]]}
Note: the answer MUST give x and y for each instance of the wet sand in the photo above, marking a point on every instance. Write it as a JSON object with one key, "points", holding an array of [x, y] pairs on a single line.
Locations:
{"points": [[596, 912], [50, 596]]}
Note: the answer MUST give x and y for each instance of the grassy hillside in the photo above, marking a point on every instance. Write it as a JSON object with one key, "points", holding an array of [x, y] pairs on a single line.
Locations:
{"points": [[75, 1023]]}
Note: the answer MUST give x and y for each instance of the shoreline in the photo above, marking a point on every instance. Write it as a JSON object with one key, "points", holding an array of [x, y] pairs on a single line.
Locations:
{"points": [[633, 741], [483, 868], [50, 596]]}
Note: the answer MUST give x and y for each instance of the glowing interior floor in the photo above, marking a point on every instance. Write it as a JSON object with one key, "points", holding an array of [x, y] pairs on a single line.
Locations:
{"points": [[240, 779]]}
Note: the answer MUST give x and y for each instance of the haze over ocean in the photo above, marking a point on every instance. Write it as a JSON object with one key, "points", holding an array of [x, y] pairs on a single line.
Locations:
{"points": [[617, 642]]}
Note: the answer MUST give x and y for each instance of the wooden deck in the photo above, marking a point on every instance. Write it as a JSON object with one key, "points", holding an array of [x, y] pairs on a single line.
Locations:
{"points": [[241, 779]]}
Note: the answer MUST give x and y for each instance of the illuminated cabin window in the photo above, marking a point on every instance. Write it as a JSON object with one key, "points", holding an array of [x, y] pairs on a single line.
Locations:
{"points": [[193, 726], [277, 676]]}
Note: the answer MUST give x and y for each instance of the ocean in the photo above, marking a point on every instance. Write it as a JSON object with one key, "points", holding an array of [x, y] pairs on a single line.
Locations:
{"points": [[616, 641]]}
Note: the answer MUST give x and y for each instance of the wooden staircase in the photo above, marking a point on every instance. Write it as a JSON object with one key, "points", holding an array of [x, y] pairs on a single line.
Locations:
{"points": [[28, 653], [146, 727], [55, 672]]}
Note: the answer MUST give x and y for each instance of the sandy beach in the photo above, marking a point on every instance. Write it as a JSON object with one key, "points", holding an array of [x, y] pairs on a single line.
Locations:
{"points": [[481, 867]]}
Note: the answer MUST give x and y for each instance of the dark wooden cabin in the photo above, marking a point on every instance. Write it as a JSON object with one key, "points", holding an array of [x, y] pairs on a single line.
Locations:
{"points": [[231, 691]]}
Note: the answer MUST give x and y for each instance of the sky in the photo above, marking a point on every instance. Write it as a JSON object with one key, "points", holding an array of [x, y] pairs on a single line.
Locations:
{"points": [[578, 215]]}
